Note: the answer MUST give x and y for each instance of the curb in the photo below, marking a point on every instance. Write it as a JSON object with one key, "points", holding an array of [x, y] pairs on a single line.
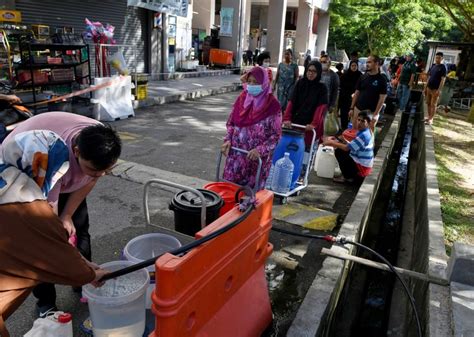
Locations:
{"points": [[186, 95]]}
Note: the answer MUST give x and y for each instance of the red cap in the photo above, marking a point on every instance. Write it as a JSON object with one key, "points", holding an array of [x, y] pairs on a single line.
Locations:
{"points": [[65, 318]]}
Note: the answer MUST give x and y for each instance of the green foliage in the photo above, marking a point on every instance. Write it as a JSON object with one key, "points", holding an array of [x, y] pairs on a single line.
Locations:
{"points": [[387, 28]]}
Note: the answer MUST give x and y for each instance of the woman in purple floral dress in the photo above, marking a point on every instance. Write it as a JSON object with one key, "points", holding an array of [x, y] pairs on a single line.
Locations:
{"points": [[253, 125]]}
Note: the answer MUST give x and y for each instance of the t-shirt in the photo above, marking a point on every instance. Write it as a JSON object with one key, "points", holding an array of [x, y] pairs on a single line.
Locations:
{"points": [[67, 126], [436, 73], [370, 88], [362, 150], [409, 68]]}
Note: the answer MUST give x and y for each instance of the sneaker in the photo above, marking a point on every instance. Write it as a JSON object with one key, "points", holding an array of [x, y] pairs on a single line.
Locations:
{"points": [[45, 310]]}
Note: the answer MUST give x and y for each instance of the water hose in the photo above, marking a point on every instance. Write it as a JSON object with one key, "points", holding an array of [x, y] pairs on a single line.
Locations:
{"points": [[344, 241]]}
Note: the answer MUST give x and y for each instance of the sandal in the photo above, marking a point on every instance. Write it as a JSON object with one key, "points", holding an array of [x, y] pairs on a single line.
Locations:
{"points": [[86, 327]]}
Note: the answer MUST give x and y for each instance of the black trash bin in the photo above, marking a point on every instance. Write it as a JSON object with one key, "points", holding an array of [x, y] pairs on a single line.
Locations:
{"points": [[187, 210]]}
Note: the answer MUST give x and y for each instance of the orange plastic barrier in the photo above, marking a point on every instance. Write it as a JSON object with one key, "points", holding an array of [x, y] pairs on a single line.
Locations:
{"points": [[218, 289], [220, 57]]}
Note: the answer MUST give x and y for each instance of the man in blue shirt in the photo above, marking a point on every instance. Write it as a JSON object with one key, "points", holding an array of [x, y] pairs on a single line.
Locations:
{"points": [[434, 85], [357, 157]]}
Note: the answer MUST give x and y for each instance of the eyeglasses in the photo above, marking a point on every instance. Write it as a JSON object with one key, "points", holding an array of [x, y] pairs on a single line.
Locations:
{"points": [[361, 119], [311, 71]]}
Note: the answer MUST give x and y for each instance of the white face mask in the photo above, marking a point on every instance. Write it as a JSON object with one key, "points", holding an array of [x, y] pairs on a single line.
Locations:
{"points": [[266, 64], [325, 66]]}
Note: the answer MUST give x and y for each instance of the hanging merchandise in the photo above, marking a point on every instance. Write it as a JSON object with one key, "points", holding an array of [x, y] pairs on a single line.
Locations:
{"points": [[100, 34]]}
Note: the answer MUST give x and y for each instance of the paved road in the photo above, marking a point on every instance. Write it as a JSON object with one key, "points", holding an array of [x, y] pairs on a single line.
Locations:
{"points": [[179, 142]]}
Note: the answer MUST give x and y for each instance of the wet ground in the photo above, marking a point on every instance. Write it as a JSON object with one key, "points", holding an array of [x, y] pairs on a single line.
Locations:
{"points": [[184, 138]]}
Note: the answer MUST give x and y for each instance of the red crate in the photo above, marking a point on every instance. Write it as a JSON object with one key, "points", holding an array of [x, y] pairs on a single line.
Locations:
{"points": [[38, 75]]}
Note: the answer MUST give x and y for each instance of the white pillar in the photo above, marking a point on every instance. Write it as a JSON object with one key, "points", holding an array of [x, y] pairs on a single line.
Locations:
{"points": [[323, 32], [304, 27], [248, 11], [276, 29], [235, 42], [204, 19]]}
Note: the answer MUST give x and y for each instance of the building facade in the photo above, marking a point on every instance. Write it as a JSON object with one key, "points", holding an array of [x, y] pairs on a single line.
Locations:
{"points": [[272, 25], [160, 42]]}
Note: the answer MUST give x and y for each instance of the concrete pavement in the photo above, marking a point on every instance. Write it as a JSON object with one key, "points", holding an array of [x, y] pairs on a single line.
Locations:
{"points": [[161, 92], [179, 142]]}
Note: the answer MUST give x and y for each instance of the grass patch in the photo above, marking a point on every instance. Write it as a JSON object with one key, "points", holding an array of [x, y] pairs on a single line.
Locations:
{"points": [[455, 169]]}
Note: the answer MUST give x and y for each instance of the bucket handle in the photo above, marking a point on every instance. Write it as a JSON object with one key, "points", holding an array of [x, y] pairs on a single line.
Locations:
{"points": [[259, 169], [177, 186]]}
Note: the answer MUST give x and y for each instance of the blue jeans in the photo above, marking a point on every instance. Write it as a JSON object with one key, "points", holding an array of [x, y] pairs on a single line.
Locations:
{"points": [[403, 95]]}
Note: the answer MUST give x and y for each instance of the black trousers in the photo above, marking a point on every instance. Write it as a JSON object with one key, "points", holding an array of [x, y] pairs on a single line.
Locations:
{"points": [[346, 163], [344, 107], [46, 292]]}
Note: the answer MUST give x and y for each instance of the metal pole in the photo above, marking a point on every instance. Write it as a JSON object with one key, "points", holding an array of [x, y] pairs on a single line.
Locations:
{"points": [[165, 50]]}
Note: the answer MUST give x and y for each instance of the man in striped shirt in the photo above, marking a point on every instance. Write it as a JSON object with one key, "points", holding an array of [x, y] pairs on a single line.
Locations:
{"points": [[357, 157]]}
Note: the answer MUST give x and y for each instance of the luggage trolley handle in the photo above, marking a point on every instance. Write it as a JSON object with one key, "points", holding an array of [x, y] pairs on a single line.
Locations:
{"points": [[299, 126], [177, 186], [259, 168]]}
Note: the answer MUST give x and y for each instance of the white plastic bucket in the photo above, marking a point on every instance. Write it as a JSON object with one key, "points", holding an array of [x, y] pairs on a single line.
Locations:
{"points": [[145, 247], [121, 315], [327, 163]]}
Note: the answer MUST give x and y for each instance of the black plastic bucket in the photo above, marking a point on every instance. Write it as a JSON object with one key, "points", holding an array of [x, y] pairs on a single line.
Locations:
{"points": [[187, 210]]}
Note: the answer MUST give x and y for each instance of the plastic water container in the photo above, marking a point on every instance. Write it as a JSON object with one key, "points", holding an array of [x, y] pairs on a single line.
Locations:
{"points": [[327, 163], [118, 315], [145, 247], [318, 156], [282, 175], [268, 183], [292, 141], [58, 324]]}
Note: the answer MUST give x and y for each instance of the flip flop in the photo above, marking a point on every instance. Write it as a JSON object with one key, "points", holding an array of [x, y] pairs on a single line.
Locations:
{"points": [[86, 327]]}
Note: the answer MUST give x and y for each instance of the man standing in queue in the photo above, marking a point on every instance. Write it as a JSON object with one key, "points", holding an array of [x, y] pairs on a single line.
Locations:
{"points": [[370, 94], [94, 148]]}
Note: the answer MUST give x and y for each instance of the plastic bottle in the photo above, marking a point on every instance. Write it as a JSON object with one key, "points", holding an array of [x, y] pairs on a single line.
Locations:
{"points": [[65, 325], [58, 324], [349, 125], [282, 174], [268, 183]]}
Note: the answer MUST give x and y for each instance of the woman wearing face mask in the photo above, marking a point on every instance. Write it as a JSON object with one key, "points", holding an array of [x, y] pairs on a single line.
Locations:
{"points": [[286, 77], [309, 103], [308, 106], [253, 125], [263, 60], [347, 88]]}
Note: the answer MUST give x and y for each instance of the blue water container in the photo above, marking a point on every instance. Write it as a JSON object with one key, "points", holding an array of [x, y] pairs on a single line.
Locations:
{"points": [[292, 141]]}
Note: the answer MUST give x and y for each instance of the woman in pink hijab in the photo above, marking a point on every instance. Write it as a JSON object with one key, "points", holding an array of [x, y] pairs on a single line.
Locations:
{"points": [[253, 125]]}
